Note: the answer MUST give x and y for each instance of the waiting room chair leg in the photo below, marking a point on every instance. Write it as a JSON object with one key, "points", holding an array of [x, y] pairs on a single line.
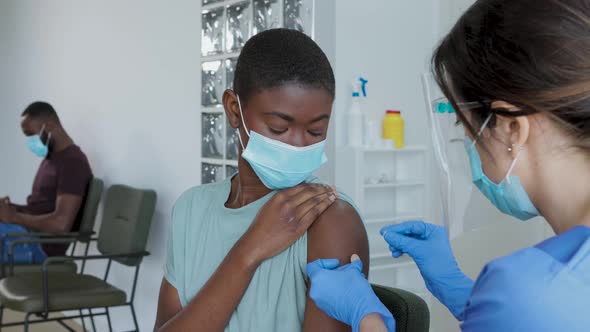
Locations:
{"points": [[134, 318], [92, 320], [26, 327], [66, 326], [83, 321], [109, 319]]}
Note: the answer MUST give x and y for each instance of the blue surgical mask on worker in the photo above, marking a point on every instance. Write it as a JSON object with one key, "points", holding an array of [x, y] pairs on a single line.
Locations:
{"points": [[509, 196], [37, 146], [279, 165]]}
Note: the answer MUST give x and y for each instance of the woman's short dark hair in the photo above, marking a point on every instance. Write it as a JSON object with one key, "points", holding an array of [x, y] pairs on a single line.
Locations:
{"points": [[277, 57]]}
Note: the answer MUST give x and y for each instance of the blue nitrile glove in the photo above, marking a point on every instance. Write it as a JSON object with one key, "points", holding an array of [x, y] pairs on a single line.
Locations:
{"points": [[429, 246], [344, 293]]}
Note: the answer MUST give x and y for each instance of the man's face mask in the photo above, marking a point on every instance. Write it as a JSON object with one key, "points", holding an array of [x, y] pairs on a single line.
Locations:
{"points": [[279, 165], [37, 146]]}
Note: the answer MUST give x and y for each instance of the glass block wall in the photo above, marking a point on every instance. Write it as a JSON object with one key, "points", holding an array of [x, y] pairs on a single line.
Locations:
{"points": [[226, 26]]}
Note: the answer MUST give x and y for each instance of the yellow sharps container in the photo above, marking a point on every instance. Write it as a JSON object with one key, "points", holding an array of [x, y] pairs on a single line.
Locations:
{"points": [[393, 127]]}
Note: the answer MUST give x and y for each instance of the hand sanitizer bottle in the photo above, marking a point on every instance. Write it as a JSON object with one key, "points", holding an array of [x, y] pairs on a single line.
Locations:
{"points": [[355, 115]]}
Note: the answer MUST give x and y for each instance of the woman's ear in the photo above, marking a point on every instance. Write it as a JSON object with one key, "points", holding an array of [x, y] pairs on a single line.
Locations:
{"points": [[514, 130], [232, 108]]}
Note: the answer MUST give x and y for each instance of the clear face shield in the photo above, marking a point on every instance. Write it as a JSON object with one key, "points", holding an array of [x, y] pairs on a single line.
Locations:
{"points": [[461, 200]]}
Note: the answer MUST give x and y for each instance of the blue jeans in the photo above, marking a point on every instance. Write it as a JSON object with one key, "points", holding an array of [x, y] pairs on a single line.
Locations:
{"points": [[28, 253]]}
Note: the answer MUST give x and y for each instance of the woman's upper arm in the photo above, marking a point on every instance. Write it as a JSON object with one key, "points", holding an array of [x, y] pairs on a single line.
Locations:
{"points": [[168, 304], [338, 233]]}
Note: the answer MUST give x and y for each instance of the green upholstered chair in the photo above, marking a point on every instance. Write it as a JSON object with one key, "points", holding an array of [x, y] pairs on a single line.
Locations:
{"points": [[123, 235], [409, 310], [81, 235]]}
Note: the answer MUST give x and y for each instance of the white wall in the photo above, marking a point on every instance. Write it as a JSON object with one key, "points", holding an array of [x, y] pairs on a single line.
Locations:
{"points": [[450, 11], [389, 43], [125, 79]]}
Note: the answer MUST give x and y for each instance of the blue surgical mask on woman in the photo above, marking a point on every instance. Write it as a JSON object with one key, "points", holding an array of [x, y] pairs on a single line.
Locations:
{"points": [[279, 165], [509, 196], [36, 145]]}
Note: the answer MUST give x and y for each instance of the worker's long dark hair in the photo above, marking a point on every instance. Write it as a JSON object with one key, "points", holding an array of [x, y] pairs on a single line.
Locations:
{"points": [[534, 54]]}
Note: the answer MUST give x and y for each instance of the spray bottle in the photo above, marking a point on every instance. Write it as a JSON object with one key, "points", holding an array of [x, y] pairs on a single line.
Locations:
{"points": [[355, 115]]}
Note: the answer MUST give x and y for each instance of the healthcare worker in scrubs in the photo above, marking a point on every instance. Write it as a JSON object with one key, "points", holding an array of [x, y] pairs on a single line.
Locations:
{"points": [[517, 73]]}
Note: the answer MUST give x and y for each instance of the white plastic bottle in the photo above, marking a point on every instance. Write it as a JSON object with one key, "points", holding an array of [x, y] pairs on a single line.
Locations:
{"points": [[355, 122], [355, 114]]}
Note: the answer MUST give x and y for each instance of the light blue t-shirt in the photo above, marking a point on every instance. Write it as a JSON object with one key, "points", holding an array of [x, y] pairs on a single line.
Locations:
{"points": [[542, 288], [202, 233]]}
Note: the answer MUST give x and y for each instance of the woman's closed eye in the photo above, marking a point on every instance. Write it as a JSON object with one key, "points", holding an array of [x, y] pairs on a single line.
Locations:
{"points": [[277, 131]]}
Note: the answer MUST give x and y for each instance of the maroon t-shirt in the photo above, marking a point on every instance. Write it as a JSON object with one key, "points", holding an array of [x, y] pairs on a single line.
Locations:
{"points": [[63, 172]]}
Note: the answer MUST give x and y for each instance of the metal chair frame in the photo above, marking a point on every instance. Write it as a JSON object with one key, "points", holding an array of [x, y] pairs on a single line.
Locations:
{"points": [[44, 315]]}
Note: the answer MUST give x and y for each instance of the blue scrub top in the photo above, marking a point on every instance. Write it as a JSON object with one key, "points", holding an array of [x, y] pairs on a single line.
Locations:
{"points": [[542, 288]]}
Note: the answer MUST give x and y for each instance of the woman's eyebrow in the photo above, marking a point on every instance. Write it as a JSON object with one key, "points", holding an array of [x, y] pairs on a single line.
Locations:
{"points": [[291, 119], [281, 115]]}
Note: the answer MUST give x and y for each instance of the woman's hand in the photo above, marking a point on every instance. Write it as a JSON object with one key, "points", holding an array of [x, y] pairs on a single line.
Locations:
{"points": [[284, 219]]}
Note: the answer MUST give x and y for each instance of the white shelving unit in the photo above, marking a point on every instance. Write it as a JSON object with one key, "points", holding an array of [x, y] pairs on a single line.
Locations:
{"points": [[389, 186]]}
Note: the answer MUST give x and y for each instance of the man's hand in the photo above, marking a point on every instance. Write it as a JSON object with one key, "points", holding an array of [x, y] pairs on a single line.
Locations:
{"points": [[7, 212], [56, 222]]}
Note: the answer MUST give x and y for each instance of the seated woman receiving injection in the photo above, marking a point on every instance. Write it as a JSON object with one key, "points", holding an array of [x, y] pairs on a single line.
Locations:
{"points": [[238, 249]]}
